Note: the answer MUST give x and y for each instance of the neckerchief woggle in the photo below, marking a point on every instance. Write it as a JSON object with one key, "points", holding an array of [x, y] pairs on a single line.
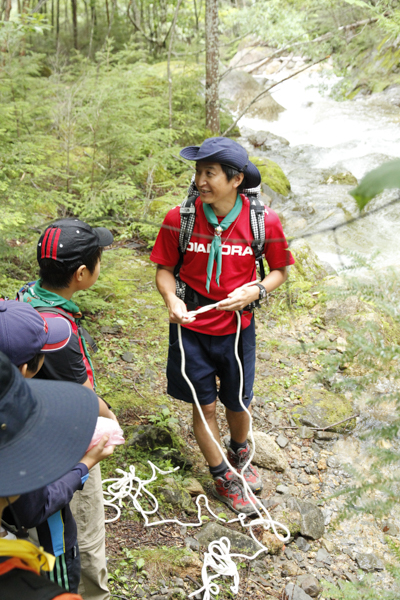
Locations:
{"points": [[216, 250], [39, 297]]}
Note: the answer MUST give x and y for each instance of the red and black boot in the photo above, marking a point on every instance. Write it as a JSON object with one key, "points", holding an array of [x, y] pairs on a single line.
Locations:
{"points": [[238, 460], [229, 489]]}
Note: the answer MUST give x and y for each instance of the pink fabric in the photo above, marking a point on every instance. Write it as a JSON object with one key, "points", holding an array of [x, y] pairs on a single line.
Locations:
{"points": [[107, 427]]}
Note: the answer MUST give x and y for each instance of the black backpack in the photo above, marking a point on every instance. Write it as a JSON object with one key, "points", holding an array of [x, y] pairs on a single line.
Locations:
{"points": [[188, 217], [19, 584]]}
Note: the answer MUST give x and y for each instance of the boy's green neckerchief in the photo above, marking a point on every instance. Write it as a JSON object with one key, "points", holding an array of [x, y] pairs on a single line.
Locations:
{"points": [[215, 250], [39, 297]]}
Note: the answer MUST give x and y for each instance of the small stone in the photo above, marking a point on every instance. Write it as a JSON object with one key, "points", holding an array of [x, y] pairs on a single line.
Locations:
{"points": [[369, 562], [288, 553], [178, 582], [128, 357], [333, 462], [323, 556], [341, 345], [311, 518], [390, 528], [310, 585], [290, 569], [302, 544], [140, 593], [272, 543], [267, 453], [303, 479], [305, 433], [264, 356], [282, 489], [325, 436], [193, 486], [328, 545], [192, 544], [240, 543], [322, 466], [294, 592], [286, 362], [282, 441]]}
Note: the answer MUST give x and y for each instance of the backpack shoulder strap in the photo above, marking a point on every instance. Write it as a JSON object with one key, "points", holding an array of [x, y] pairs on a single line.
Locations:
{"points": [[23, 290], [82, 332], [188, 217], [257, 223]]}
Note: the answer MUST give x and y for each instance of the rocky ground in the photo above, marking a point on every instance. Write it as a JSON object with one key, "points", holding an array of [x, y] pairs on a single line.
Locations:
{"points": [[304, 433]]}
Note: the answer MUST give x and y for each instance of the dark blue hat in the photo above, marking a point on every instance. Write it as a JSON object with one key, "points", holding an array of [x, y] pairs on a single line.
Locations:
{"points": [[226, 152], [24, 332], [45, 429]]}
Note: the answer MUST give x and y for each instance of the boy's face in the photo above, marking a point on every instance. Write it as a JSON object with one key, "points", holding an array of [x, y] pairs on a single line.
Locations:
{"points": [[213, 184]]}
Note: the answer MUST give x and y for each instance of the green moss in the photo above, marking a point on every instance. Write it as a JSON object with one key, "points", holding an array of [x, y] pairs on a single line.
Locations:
{"points": [[321, 408], [272, 175], [346, 178]]}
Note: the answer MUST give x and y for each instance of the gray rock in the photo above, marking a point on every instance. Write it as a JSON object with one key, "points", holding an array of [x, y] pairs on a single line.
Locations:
{"points": [[338, 310], [240, 88], [286, 362], [294, 592], [111, 330], [128, 357], [390, 528], [309, 584], [303, 479], [282, 441], [288, 553], [369, 562], [264, 356], [240, 542], [140, 593], [282, 489], [268, 454], [177, 593], [333, 462], [311, 518], [324, 556], [176, 496], [265, 141], [305, 433], [322, 408], [192, 544], [302, 544], [325, 436]]}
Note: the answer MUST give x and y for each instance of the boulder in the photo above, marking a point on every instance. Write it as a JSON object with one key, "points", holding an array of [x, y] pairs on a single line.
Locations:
{"points": [[310, 585], [321, 408], [294, 592], [240, 543], [239, 88], [272, 175], [311, 517], [176, 496], [265, 140], [268, 454], [369, 562]]}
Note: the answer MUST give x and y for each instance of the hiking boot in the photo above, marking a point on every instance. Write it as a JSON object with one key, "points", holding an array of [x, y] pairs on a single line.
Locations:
{"points": [[238, 460], [229, 489]]}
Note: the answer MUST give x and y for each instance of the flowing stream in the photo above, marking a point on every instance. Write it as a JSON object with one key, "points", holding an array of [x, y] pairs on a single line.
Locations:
{"points": [[328, 137]]}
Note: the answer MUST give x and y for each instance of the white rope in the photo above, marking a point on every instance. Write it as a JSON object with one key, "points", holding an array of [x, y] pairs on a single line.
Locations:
{"points": [[218, 557]]}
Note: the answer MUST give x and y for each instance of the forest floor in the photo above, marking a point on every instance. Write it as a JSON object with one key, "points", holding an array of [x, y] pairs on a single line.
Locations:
{"points": [[164, 562]]}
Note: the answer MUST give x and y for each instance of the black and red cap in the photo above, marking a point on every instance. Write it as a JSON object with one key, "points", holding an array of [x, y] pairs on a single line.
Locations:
{"points": [[71, 241], [24, 332]]}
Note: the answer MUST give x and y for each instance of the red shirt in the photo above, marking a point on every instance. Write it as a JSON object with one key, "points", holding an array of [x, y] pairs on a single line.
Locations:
{"points": [[238, 262]]}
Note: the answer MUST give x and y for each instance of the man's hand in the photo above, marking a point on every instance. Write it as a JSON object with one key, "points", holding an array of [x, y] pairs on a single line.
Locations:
{"points": [[178, 311], [239, 298], [97, 453]]}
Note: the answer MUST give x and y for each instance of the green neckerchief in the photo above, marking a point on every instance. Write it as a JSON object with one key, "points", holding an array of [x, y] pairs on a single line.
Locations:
{"points": [[39, 297], [215, 250]]}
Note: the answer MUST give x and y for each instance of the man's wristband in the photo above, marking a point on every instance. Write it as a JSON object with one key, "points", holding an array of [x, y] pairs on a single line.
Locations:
{"points": [[263, 292]]}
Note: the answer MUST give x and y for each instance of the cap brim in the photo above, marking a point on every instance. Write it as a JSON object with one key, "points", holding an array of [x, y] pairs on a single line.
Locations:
{"points": [[57, 437], [104, 236], [59, 333], [190, 152]]}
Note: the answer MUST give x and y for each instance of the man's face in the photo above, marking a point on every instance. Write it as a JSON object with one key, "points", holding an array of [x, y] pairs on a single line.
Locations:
{"points": [[213, 184]]}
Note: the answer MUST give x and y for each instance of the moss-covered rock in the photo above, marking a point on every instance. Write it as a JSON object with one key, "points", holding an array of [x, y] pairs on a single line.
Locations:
{"points": [[272, 175], [345, 178], [321, 408]]}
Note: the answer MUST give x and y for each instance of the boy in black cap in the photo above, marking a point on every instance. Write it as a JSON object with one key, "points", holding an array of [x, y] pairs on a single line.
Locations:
{"points": [[69, 253], [222, 235], [25, 338], [35, 451]]}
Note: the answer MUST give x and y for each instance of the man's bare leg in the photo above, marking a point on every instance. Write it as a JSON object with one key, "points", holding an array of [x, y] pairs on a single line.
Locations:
{"points": [[239, 423], [206, 445]]}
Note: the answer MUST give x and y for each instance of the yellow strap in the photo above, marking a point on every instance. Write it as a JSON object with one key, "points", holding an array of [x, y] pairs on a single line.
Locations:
{"points": [[35, 557]]}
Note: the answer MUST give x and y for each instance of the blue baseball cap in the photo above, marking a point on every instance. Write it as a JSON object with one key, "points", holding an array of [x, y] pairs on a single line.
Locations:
{"points": [[45, 429], [225, 152], [24, 332]]}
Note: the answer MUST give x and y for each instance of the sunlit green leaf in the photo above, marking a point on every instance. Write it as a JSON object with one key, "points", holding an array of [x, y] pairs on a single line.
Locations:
{"points": [[385, 177]]}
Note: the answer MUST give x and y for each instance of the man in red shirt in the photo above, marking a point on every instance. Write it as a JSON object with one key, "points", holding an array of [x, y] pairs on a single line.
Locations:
{"points": [[217, 267]]}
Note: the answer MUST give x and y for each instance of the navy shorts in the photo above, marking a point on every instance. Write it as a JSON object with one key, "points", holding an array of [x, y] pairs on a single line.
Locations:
{"points": [[208, 357]]}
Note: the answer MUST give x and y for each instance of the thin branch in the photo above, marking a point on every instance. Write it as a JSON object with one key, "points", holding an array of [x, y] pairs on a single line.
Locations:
{"points": [[264, 92]]}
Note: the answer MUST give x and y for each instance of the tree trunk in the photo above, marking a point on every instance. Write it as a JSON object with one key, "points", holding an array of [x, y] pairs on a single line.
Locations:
{"points": [[7, 10], [57, 21], [212, 59], [74, 23]]}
